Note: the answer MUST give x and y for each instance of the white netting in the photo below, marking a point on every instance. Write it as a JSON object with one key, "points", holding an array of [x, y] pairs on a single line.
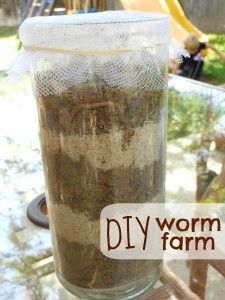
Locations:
{"points": [[122, 48]]}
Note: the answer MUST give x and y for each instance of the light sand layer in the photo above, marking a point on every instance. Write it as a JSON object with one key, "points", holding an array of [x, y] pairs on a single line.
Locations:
{"points": [[71, 225], [75, 226], [105, 151]]}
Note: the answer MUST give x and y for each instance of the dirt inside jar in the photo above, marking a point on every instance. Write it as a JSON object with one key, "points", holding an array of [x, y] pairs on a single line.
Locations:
{"points": [[100, 145]]}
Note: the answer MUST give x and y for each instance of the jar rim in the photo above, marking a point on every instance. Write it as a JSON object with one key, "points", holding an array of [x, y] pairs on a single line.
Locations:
{"points": [[96, 31]]}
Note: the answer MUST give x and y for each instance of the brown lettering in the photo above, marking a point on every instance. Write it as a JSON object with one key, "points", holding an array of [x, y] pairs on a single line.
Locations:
{"points": [[109, 221], [144, 230], [165, 223], [128, 232]]}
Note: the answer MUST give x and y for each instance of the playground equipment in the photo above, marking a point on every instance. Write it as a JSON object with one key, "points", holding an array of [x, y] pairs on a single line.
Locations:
{"points": [[34, 8], [181, 26]]}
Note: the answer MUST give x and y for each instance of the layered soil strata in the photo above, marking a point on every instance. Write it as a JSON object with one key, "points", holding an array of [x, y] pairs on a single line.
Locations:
{"points": [[100, 145]]}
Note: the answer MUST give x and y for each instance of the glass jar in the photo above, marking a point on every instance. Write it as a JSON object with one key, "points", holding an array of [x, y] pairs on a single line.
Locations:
{"points": [[100, 81]]}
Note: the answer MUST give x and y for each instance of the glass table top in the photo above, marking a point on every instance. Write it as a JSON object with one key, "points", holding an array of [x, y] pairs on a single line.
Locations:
{"points": [[195, 117]]}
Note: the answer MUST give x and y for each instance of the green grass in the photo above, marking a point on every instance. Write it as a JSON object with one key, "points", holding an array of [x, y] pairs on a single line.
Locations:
{"points": [[8, 47], [8, 31], [214, 68]]}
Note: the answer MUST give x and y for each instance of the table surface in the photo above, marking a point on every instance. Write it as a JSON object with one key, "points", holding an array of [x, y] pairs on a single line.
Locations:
{"points": [[26, 266]]}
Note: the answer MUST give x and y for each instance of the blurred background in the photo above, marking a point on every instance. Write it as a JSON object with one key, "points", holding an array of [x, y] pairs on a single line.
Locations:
{"points": [[195, 152]]}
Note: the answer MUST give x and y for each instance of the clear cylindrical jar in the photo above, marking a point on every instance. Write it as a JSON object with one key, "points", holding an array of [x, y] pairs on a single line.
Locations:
{"points": [[100, 81]]}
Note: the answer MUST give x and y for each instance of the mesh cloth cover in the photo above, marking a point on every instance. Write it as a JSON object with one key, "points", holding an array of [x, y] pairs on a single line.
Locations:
{"points": [[122, 48]]}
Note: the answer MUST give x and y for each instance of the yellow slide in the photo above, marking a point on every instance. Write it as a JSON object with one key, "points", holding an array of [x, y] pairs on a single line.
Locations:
{"points": [[181, 26]]}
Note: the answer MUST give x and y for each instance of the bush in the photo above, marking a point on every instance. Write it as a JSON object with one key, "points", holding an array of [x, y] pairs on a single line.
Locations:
{"points": [[190, 113]]}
